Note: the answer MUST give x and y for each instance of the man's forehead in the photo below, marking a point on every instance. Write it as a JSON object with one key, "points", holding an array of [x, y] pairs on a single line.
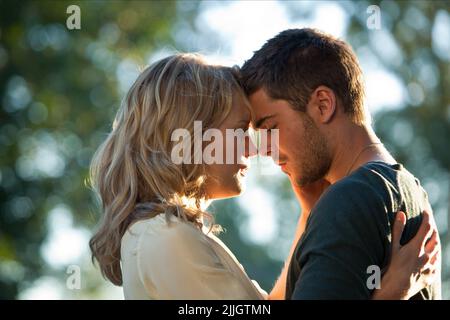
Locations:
{"points": [[261, 111], [260, 105], [260, 96]]}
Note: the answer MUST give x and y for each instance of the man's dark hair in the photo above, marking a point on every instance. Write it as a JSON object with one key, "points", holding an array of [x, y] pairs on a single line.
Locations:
{"points": [[294, 63]]}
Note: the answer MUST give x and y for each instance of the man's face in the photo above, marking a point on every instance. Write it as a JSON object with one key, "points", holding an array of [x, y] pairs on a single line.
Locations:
{"points": [[304, 153]]}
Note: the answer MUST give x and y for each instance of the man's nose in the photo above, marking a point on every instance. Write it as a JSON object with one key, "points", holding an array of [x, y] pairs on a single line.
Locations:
{"points": [[250, 148]]}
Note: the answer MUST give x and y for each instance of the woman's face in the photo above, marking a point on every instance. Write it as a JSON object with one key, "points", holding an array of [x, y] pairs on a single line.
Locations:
{"points": [[226, 179]]}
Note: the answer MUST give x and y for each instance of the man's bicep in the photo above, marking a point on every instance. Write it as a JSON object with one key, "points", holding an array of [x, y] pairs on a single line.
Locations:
{"points": [[343, 240], [326, 276]]}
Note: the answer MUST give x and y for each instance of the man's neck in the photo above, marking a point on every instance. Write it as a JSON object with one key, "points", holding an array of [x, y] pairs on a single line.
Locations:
{"points": [[355, 146]]}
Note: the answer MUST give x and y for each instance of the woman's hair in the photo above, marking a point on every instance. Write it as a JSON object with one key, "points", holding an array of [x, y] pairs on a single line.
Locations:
{"points": [[132, 171]]}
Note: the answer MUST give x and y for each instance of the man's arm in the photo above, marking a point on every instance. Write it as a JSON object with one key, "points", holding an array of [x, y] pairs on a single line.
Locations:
{"points": [[279, 289], [307, 196], [344, 237]]}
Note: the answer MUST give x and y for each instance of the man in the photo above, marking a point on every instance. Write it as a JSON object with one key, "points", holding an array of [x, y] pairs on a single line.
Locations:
{"points": [[309, 86]]}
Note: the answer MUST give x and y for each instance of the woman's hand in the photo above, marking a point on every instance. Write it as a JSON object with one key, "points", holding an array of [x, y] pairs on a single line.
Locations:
{"points": [[412, 266]]}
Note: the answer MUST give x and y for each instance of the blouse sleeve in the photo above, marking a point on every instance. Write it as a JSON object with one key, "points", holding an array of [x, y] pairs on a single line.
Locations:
{"points": [[263, 292], [180, 263]]}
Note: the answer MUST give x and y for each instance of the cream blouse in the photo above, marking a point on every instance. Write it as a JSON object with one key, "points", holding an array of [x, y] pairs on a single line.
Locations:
{"points": [[179, 261]]}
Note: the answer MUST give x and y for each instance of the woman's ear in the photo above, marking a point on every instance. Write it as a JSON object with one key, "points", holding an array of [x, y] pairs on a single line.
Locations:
{"points": [[322, 104]]}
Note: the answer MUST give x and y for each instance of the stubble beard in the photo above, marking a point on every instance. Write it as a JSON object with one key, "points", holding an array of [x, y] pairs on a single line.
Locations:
{"points": [[316, 160]]}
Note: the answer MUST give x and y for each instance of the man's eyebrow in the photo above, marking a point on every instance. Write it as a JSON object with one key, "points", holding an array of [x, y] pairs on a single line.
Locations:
{"points": [[260, 122]]}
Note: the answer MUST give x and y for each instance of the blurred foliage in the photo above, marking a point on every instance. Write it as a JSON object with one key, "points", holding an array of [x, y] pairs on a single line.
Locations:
{"points": [[59, 92], [60, 88]]}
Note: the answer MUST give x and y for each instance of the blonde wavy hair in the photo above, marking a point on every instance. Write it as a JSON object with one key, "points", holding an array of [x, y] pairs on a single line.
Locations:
{"points": [[132, 172]]}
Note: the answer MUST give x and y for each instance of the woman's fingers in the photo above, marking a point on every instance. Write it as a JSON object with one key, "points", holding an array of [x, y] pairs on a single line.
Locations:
{"points": [[428, 273], [431, 260], [428, 278], [399, 225], [434, 256], [424, 261], [428, 261], [420, 255], [432, 243], [424, 231]]}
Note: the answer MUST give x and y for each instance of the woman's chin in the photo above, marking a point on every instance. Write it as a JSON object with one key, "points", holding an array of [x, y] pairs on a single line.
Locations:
{"points": [[228, 188], [231, 192]]}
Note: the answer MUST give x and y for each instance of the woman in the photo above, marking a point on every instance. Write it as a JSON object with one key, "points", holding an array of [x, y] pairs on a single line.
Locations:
{"points": [[156, 239]]}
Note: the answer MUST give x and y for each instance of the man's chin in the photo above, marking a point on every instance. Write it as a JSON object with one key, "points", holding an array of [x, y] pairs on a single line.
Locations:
{"points": [[301, 181]]}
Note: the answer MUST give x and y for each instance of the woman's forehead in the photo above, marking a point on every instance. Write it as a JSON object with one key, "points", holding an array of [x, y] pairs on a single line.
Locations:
{"points": [[241, 107]]}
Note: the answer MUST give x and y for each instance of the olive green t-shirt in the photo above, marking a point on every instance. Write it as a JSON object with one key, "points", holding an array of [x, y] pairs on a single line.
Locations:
{"points": [[349, 230]]}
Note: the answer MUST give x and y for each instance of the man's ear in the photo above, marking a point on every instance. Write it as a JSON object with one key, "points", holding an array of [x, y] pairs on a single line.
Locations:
{"points": [[322, 104]]}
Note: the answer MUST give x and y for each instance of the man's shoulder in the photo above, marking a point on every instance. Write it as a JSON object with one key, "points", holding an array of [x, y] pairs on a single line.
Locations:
{"points": [[374, 192], [352, 195], [372, 183]]}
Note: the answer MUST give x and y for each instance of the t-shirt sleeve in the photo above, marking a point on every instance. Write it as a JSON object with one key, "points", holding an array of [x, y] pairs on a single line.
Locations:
{"points": [[181, 264], [345, 235]]}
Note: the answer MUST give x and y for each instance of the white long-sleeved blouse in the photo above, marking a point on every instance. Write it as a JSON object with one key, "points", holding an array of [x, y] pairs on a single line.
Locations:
{"points": [[180, 261]]}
